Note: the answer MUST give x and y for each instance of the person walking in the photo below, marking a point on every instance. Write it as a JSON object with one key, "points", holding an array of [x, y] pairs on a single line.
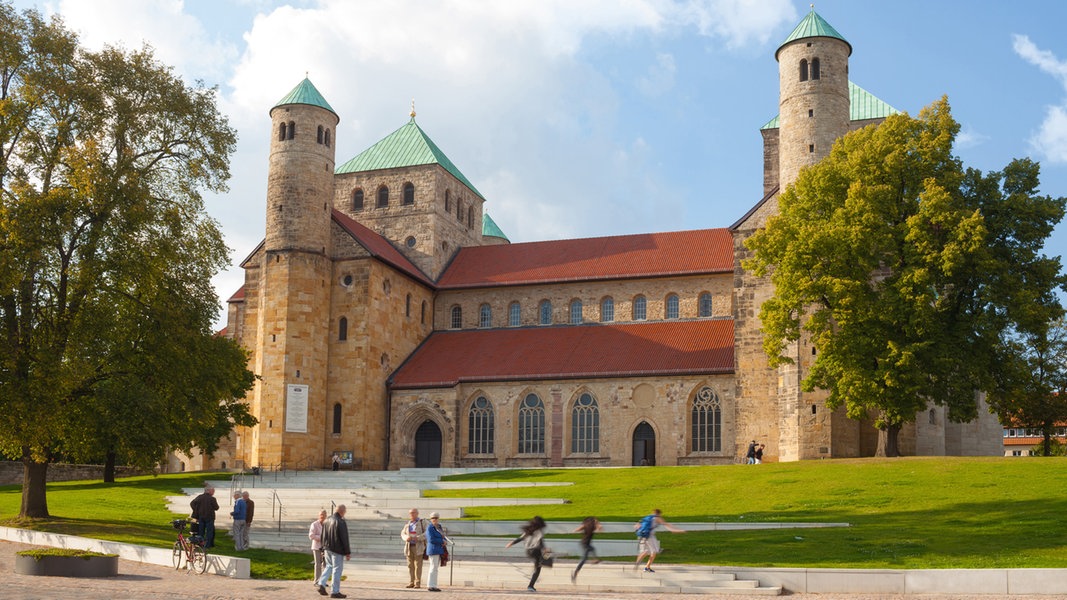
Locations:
{"points": [[646, 537], [588, 527], [204, 507], [414, 536], [533, 539], [239, 515], [759, 454], [337, 551], [435, 548], [315, 535], [250, 509], [750, 454]]}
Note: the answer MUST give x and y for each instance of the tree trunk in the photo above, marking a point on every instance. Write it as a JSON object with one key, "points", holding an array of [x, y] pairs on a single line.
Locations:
{"points": [[34, 500], [1046, 444], [109, 467], [887, 441]]}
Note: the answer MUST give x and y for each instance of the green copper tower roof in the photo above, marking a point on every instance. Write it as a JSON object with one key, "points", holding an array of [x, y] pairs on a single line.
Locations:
{"points": [[813, 26], [862, 105], [490, 228], [305, 93], [408, 146]]}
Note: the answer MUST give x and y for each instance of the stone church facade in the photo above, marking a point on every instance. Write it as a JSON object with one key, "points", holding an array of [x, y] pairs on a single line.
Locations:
{"points": [[392, 324]]}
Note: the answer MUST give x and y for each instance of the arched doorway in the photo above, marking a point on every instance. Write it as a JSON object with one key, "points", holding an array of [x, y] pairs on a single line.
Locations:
{"points": [[644, 445], [428, 445]]}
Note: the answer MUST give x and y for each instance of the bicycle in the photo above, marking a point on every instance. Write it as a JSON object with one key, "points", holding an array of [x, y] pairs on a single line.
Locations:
{"points": [[191, 549]]}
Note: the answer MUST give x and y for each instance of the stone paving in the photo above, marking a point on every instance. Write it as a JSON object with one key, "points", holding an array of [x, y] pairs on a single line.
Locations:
{"points": [[137, 581]]}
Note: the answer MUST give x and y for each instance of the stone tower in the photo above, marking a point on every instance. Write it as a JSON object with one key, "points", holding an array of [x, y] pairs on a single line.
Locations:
{"points": [[293, 315]]}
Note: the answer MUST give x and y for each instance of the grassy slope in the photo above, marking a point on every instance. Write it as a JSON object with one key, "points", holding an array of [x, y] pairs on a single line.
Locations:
{"points": [[906, 513]]}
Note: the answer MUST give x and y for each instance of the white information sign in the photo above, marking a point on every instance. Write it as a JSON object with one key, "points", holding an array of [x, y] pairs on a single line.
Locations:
{"points": [[296, 409]]}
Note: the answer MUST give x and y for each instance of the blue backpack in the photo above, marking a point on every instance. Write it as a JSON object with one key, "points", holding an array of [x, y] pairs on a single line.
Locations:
{"points": [[645, 528]]}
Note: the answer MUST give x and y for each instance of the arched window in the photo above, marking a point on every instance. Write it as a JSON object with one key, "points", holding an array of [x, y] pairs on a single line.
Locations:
{"points": [[639, 308], [457, 317], [707, 421], [545, 312], [292, 131], [470, 217], [485, 316], [803, 69], [448, 202], [282, 132], [357, 200], [480, 428], [383, 197], [337, 418], [326, 138], [409, 193], [514, 314], [422, 316], [585, 425], [342, 329], [814, 68], [532, 425], [459, 209], [318, 135], [670, 311], [576, 312], [607, 310], [704, 304], [407, 305]]}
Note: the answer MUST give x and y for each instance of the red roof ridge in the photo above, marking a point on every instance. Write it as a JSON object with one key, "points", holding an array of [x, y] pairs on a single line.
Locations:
{"points": [[238, 296]]}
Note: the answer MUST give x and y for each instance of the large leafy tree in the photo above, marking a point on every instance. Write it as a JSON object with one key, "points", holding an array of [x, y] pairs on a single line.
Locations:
{"points": [[908, 272], [106, 255]]}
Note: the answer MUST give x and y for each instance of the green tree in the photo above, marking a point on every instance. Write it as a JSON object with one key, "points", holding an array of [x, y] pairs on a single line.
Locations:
{"points": [[106, 255], [907, 272]]}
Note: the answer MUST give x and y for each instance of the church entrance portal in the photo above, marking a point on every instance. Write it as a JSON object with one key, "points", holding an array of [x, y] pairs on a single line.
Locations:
{"points": [[428, 445], [644, 445]]}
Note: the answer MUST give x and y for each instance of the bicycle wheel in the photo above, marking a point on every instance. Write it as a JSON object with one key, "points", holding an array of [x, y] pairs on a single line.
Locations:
{"points": [[178, 553], [199, 559]]}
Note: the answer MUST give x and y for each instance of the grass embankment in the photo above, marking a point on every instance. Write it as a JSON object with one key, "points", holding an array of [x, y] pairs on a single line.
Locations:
{"points": [[134, 510], [905, 513]]}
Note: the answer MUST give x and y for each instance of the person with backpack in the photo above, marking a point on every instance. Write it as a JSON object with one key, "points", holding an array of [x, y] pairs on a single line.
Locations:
{"points": [[588, 527], [646, 537], [533, 539]]}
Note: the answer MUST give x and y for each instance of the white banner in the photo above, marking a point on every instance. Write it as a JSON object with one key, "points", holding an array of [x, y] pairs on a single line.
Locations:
{"points": [[296, 409]]}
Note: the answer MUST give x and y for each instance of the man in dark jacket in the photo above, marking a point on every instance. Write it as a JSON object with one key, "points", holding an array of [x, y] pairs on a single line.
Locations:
{"points": [[204, 507], [335, 546]]}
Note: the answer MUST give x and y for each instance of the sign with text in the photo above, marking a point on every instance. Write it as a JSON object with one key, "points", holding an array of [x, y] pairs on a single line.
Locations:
{"points": [[296, 409]]}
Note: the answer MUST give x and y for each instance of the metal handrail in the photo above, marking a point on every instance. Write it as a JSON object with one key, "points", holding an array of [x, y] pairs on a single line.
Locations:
{"points": [[276, 503]]}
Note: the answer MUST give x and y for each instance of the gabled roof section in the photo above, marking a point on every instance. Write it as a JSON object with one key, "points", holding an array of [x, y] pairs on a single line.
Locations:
{"points": [[700, 251], [490, 228], [811, 26], [766, 197], [862, 105], [408, 146], [447, 358], [379, 247], [305, 93], [238, 296]]}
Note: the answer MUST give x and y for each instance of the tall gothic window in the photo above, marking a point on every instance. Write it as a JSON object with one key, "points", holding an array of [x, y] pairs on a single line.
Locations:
{"points": [[585, 425], [704, 304], [532, 425], [383, 197], [485, 316], [545, 310], [607, 310], [357, 200], [707, 421], [576, 312], [671, 309], [640, 304], [337, 418], [342, 329], [480, 427], [409, 193], [457, 317], [514, 314]]}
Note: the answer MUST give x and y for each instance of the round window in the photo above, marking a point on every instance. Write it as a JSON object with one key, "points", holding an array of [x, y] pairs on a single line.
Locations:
{"points": [[347, 280], [410, 241]]}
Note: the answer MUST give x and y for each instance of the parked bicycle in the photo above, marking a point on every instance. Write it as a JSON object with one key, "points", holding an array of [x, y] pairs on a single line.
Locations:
{"points": [[189, 548]]}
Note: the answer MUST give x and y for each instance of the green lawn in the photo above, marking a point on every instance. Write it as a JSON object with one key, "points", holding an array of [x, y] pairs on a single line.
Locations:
{"points": [[905, 513]]}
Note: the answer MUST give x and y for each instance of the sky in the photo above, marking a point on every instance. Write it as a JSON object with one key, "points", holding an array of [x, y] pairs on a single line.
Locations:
{"points": [[582, 118]]}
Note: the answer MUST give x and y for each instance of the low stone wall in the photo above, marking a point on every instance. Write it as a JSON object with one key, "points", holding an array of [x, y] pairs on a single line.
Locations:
{"points": [[11, 472]]}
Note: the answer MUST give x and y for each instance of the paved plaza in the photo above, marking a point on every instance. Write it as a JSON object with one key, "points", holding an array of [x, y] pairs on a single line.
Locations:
{"points": [[138, 581]]}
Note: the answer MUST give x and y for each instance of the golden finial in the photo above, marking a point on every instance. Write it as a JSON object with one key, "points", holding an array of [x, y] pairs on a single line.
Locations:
{"points": [[812, 5], [412, 108]]}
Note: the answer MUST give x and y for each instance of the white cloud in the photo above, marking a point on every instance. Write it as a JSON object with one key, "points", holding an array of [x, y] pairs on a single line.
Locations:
{"points": [[1050, 140], [969, 138], [740, 22], [660, 77]]}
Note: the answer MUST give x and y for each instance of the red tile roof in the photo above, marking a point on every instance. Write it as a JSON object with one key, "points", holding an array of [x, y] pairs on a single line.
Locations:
{"points": [[379, 247], [238, 296], [570, 351], [617, 257]]}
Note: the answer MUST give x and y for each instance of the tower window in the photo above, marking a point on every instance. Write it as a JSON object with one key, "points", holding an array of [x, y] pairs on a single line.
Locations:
{"points": [[326, 138], [814, 68], [282, 129], [409, 194], [318, 135], [803, 69], [357, 200], [292, 131], [811, 113], [459, 209], [470, 217], [448, 202], [383, 197], [337, 419], [342, 329], [811, 147]]}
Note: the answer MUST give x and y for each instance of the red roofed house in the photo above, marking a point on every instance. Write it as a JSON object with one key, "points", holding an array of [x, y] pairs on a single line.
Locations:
{"points": [[393, 325]]}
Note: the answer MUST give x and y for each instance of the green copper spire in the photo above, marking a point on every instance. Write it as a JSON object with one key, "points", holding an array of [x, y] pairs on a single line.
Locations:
{"points": [[305, 93], [813, 26], [491, 229]]}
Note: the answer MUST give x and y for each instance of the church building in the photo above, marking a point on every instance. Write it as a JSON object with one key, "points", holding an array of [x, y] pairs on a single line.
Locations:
{"points": [[393, 324]]}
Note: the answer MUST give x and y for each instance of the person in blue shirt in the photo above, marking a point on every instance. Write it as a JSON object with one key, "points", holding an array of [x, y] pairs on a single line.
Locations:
{"points": [[435, 548], [239, 515]]}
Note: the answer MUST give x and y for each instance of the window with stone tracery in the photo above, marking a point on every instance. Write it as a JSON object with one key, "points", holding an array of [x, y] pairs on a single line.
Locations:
{"points": [[707, 421], [532, 425], [480, 427], [585, 425]]}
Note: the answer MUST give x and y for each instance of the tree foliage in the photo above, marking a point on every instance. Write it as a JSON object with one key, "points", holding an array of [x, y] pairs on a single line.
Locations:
{"points": [[908, 272], [106, 255]]}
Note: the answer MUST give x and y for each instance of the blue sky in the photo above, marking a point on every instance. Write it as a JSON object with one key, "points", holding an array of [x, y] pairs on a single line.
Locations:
{"points": [[580, 118]]}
